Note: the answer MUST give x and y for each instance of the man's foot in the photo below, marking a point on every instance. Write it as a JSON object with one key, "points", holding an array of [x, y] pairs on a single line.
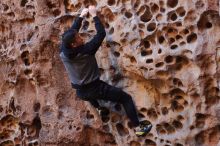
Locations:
{"points": [[142, 130]]}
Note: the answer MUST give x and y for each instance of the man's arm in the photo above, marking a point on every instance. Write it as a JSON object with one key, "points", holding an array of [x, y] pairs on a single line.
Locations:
{"points": [[77, 23], [92, 46]]}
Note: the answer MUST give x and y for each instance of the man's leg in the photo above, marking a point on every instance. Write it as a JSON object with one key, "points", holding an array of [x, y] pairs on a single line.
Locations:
{"points": [[111, 93], [94, 103], [86, 95], [108, 92]]}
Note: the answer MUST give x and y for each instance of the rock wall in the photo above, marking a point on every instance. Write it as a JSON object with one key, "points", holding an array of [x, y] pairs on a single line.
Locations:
{"points": [[165, 53]]}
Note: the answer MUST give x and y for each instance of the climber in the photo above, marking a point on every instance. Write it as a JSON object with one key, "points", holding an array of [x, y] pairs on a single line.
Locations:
{"points": [[79, 60]]}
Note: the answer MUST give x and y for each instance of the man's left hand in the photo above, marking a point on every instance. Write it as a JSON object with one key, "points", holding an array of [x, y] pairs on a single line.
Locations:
{"points": [[84, 12]]}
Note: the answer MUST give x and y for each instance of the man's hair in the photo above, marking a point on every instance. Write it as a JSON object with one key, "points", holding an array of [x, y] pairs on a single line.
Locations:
{"points": [[68, 37]]}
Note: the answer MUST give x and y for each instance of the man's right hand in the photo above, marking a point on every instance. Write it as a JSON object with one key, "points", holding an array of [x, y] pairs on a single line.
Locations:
{"points": [[92, 11]]}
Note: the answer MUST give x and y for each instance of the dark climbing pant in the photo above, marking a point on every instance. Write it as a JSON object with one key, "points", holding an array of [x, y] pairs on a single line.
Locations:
{"points": [[107, 92]]}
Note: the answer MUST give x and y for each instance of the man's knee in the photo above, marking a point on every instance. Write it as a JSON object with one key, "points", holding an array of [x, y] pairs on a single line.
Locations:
{"points": [[125, 97]]}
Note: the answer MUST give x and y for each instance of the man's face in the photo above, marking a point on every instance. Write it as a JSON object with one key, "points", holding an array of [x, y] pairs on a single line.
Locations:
{"points": [[79, 40]]}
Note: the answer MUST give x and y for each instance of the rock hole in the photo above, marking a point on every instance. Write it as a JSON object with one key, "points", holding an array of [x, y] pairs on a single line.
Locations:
{"points": [[147, 15], [164, 110], [106, 128], [7, 142], [11, 14], [5, 7], [132, 59], [25, 57], [143, 109], [136, 4], [170, 30], [141, 10], [116, 54], [135, 143], [12, 105], [181, 11], [145, 42], [191, 38], [154, 8], [177, 124], [23, 3], [175, 106], [23, 46], [160, 129], [78, 128], [185, 31], [178, 23], [109, 15], [170, 129], [140, 115], [121, 130], [152, 113], [172, 3], [85, 25], [169, 59], [149, 142], [30, 7], [162, 10], [177, 82], [200, 120], [182, 43], [159, 17], [128, 15], [70, 127], [56, 12], [180, 117], [173, 17], [36, 107], [171, 40], [107, 25], [161, 39], [173, 47], [111, 2], [111, 31], [160, 64], [30, 35], [178, 144], [208, 25], [117, 77], [178, 37], [105, 119], [1, 108], [145, 53], [149, 61], [115, 118], [199, 4], [159, 51], [151, 26]]}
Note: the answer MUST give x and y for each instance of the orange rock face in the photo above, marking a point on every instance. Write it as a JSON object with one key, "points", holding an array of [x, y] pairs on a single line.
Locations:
{"points": [[165, 53]]}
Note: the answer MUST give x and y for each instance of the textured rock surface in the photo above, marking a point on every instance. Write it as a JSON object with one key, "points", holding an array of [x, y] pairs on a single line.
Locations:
{"points": [[165, 53]]}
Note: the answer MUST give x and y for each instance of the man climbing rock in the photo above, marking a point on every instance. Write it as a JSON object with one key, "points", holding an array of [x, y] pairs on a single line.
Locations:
{"points": [[80, 63]]}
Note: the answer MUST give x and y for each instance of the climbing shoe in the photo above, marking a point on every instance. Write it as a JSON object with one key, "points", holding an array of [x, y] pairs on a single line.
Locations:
{"points": [[142, 130]]}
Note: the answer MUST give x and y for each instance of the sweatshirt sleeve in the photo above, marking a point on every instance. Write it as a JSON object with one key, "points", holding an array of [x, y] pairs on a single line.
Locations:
{"points": [[77, 23], [92, 46]]}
